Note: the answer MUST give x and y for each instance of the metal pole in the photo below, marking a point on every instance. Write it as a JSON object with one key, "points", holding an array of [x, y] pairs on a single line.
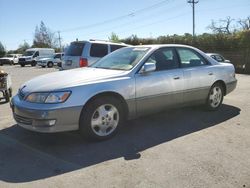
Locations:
{"points": [[59, 38], [193, 2]]}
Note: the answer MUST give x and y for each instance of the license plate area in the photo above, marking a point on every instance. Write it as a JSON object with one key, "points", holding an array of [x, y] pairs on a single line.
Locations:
{"points": [[69, 62]]}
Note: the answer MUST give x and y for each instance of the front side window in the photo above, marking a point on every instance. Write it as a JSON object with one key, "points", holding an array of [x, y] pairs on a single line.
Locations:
{"points": [[189, 58], [164, 59], [36, 54], [98, 50], [57, 56]]}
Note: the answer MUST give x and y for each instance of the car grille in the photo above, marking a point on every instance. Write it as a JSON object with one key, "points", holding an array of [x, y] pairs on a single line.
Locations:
{"points": [[21, 59], [21, 94], [23, 120]]}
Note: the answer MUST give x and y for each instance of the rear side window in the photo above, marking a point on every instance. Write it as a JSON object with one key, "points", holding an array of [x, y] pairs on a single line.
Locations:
{"points": [[75, 49], [115, 47], [98, 50], [189, 58]]}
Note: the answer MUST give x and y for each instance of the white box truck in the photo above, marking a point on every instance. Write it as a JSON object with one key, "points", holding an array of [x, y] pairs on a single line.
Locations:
{"points": [[32, 55]]}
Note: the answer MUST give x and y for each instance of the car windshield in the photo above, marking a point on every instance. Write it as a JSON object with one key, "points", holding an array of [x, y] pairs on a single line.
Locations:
{"points": [[122, 59], [28, 53]]}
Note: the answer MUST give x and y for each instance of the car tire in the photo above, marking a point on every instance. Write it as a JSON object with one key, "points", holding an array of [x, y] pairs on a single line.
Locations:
{"points": [[215, 97], [50, 64], [7, 96], [10, 92], [22, 65], [12, 63], [101, 118], [33, 63]]}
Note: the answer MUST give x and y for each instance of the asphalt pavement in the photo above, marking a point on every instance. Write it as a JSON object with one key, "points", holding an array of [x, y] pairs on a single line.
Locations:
{"points": [[187, 147]]}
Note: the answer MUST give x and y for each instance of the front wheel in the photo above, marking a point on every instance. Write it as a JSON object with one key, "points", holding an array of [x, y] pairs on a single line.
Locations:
{"points": [[215, 97], [50, 64], [101, 118], [33, 63]]}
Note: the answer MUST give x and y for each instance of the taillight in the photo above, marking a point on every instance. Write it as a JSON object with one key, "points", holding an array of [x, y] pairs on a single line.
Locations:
{"points": [[83, 62]]}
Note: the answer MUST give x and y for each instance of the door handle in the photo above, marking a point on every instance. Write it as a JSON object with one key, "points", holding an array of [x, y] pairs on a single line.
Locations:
{"points": [[210, 74], [176, 78]]}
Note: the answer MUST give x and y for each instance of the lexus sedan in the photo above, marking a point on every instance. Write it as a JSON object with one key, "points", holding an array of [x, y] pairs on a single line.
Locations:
{"points": [[128, 83]]}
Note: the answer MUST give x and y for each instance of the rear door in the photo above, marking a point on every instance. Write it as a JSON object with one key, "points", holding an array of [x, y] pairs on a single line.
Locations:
{"points": [[162, 88], [72, 55], [96, 52], [198, 75]]}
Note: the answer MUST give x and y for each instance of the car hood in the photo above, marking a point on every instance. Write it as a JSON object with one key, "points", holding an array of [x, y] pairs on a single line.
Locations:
{"points": [[25, 57], [69, 78], [9, 58], [46, 59]]}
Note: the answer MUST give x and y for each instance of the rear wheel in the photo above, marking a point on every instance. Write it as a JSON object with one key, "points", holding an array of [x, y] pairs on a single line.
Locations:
{"points": [[101, 118], [215, 97], [50, 64], [12, 63], [22, 65]]}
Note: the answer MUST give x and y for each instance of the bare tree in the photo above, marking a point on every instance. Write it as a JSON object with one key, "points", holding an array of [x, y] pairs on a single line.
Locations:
{"points": [[223, 26], [245, 23]]}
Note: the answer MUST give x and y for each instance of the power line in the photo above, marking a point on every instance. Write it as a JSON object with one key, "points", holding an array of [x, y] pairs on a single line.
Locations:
{"points": [[132, 14], [193, 2]]}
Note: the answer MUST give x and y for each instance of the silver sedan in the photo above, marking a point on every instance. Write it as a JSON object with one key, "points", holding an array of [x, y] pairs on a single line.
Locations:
{"points": [[125, 84]]}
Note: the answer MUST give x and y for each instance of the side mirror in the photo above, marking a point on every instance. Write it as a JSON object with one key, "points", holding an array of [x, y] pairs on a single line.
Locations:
{"points": [[148, 67], [227, 61]]}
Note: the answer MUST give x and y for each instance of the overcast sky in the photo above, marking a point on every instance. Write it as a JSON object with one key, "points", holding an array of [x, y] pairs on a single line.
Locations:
{"points": [[97, 19]]}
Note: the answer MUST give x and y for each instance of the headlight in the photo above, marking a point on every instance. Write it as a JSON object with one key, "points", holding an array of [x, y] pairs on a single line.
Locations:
{"points": [[53, 97]]}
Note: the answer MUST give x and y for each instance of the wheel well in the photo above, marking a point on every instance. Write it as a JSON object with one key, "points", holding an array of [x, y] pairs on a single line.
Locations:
{"points": [[222, 83], [110, 94], [50, 62]]}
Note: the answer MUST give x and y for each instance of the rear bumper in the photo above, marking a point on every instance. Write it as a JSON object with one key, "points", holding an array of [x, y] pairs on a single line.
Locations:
{"points": [[47, 120], [231, 86]]}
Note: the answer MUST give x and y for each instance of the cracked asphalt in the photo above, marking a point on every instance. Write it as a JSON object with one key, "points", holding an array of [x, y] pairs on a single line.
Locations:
{"points": [[186, 147]]}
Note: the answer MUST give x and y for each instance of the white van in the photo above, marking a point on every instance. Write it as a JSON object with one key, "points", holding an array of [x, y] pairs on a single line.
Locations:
{"points": [[32, 55]]}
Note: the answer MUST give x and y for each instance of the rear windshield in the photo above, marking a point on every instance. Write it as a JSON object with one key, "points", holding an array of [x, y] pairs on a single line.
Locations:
{"points": [[75, 49]]}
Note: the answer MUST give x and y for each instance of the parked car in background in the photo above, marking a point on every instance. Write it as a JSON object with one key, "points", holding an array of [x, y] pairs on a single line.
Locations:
{"points": [[50, 61], [218, 57], [32, 55], [10, 59], [125, 84], [85, 53]]}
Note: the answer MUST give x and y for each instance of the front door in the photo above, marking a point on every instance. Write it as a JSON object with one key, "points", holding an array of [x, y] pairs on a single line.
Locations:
{"points": [[161, 88]]}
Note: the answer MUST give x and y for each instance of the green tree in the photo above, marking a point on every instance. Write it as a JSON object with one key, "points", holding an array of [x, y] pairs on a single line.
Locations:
{"points": [[44, 38], [114, 37], [22, 47], [2, 50]]}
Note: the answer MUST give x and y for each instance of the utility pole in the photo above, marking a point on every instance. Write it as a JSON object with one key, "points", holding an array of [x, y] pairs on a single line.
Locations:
{"points": [[59, 38], [193, 2]]}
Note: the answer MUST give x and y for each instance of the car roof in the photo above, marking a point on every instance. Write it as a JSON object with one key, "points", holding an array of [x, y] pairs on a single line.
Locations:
{"points": [[101, 42], [166, 45]]}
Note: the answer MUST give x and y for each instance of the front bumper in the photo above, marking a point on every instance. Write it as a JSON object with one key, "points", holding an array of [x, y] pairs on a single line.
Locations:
{"points": [[46, 120]]}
